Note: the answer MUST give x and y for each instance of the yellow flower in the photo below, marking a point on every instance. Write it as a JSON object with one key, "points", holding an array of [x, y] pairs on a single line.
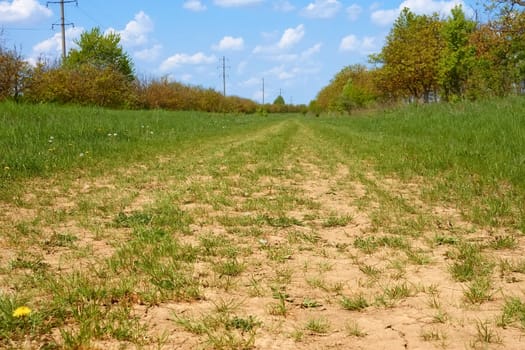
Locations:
{"points": [[21, 311]]}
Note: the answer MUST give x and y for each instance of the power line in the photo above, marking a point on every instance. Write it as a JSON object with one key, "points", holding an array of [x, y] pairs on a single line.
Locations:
{"points": [[63, 23]]}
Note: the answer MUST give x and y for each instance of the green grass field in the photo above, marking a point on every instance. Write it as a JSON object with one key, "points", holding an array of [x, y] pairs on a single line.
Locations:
{"points": [[154, 229]]}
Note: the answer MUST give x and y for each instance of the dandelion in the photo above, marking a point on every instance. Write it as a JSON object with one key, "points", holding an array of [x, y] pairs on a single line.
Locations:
{"points": [[22, 311]]}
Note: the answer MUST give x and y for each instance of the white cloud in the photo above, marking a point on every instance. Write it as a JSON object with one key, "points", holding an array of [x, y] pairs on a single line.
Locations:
{"points": [[364, 46], [236, 3], [229, 43], [388, 16], [22, 11], [241, 67], [354, 11], [180, 59], [52, 47], [186, 77], [291, 36], [322, 9], [311, 51], [136, 31], [292, 57], [149, 54], [254, 81], [349, 43], [194, 5], [283, 6]]}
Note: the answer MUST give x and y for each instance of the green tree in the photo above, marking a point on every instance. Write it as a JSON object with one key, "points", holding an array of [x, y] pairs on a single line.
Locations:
{"points": [[352, 87], [279, 100], [410, 56], [101, 50], [458, 55], [14, 73], [500, 56]]}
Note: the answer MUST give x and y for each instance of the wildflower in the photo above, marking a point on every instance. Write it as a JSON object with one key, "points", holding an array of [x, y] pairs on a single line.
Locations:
{"points": [[81, 155], [22, 311], [115, 134], [6, 168], [110, 134]]}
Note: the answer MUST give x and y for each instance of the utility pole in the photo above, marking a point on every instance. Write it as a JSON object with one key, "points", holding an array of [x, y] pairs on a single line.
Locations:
{"points": [[263, 91], [224, 76], [63, 23], [224, 68]]}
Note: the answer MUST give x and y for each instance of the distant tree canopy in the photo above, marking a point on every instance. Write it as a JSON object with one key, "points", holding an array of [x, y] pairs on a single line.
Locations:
{"points": [[102, 51], [279, 100], [428, 58]]}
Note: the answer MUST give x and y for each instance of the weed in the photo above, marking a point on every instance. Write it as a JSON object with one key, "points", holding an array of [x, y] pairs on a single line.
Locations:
{"points": [[485, 334], [229, 267], [281, 221], [279, 308], [318, 325], [470, 263], [417, 257], [479, 290], [433, 334], [445, 240], [504, 242], [244, 324], [279, 253], [297, 335], [513, 310], [398, 291], [310, 303], [32, 262], [370, 270], [61, 240], [337, 221], [355, 303], [354, 330]]}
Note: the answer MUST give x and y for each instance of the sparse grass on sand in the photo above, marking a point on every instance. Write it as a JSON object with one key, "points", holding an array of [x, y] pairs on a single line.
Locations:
{"points": [[162, 230]]}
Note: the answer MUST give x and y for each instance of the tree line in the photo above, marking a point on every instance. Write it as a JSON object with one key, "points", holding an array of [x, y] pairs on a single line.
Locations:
{"points": [[100, 73], [427, 58]]}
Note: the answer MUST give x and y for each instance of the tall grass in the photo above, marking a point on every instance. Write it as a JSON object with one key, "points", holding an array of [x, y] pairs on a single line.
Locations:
{"points": [[39, 140], [472, 152]]}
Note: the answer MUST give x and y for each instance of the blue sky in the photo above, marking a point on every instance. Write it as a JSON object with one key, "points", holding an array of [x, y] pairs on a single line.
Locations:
{"points": [[295, 46]]}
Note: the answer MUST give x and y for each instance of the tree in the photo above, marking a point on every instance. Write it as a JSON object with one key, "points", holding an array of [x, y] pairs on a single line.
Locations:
{"points": [[410, 56], [14, 72], [279, 101], [458, 55], [101, 50]]}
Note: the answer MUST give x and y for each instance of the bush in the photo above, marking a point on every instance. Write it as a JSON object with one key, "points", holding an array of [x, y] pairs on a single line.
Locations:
{"points": [[85, 84]]}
